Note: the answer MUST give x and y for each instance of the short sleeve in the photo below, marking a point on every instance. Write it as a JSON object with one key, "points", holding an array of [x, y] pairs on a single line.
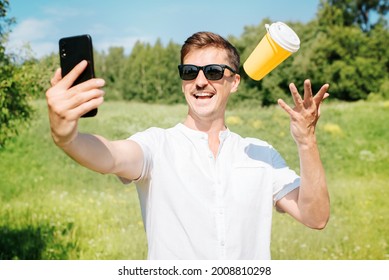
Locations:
{"points": [[285, 179], [148, 141]]}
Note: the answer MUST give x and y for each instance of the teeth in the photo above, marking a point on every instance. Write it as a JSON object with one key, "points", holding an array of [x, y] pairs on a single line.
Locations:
{"points": [[203, 94]]}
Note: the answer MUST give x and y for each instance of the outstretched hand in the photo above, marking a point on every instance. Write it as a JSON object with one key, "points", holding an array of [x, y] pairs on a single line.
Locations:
{"points": [[67, 103], [306, 112]]}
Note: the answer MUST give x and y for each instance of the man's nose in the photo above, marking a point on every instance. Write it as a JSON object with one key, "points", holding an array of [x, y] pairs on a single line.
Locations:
{"points": [[201, 80]]}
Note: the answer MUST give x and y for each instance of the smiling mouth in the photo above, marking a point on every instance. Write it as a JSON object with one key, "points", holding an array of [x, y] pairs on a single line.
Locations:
{"points": [[203, 95]]}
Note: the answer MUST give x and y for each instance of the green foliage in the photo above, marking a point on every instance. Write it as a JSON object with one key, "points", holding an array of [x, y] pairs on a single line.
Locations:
{"points": [[18, 83], [148, 74], [13, 104], [355, 12], [5, 22], [14, 108], [110, 67], [345, 57], [154, 74]]}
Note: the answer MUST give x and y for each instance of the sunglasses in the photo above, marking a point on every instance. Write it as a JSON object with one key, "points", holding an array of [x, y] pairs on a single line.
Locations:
{"points": [[212, 72]]}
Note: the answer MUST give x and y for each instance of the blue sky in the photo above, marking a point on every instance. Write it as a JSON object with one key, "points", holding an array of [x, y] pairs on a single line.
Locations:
{"points": [[121, 23]]}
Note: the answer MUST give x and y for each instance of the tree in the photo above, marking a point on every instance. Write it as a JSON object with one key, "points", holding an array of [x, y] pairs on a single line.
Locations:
{"points": [[151, 74], [110, 67], [135, 73], [364, 13], [5, 22], [349, 52], [14, 107]]}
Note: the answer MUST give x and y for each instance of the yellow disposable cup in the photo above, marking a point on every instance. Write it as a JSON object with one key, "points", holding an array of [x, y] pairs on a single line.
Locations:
{"points": [[277, 45]]}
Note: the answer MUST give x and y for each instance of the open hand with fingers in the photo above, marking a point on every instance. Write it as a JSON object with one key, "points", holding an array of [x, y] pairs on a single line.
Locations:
{"points": [[67, 104], [306, 112]]}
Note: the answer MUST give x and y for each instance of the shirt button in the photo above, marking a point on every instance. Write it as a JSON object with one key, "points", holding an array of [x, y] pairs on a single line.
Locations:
{"points": [[222, 243]]}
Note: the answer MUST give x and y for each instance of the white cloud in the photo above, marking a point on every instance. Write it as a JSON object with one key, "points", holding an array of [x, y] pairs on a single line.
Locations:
{"points": [[34, 33], [32, 29], [41, 49], [41, 37]]}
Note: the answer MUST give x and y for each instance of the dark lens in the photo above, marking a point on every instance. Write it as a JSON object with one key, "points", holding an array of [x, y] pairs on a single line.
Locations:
{"points": [[189, 72], [213, 72]]}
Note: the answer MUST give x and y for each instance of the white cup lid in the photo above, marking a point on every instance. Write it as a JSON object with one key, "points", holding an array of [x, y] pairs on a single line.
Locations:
{"points": [[284, 36]]}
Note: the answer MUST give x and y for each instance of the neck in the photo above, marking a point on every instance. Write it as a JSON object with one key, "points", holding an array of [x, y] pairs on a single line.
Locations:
{"points": [[212, 128]]}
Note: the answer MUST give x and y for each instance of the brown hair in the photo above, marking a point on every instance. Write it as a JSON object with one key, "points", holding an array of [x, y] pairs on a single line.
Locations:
{"points": [[201, 40]]}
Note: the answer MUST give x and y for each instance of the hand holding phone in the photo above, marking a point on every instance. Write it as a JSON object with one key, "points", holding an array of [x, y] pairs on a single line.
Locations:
{"points": [[73, 50]]}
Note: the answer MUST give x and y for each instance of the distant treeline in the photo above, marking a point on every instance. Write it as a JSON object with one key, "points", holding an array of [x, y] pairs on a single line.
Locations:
{"points": [[352, 57], [343, 46]]}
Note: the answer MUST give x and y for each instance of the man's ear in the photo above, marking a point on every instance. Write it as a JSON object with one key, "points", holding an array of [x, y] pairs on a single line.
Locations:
{"points": [[235, 83]]}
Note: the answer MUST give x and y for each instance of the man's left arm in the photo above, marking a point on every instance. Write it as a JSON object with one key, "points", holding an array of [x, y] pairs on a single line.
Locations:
{"points": [[309, 203]]}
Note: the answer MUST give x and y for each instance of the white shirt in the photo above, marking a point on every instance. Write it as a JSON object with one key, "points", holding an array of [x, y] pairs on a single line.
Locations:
{"points": [[196, 206]]}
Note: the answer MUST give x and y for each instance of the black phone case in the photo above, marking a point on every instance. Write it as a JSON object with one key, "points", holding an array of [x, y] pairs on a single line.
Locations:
{"points": [[73, 50]]}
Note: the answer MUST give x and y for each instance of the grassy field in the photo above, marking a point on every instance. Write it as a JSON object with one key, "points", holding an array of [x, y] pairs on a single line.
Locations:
{"points": [[51, 208]]}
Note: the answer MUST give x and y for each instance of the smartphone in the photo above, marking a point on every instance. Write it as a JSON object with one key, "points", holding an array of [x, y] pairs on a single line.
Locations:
{"points": [[73, 50]]}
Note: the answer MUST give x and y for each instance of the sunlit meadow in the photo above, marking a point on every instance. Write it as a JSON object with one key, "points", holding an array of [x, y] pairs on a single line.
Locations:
{"points": [[51, 208]]}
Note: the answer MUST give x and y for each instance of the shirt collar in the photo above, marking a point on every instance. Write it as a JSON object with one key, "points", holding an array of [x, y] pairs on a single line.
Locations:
{"points": [[199, 134]]}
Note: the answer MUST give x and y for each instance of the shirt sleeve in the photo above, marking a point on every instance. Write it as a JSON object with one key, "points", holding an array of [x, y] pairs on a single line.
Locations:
{"points": [[285, 179], [148, 141]]}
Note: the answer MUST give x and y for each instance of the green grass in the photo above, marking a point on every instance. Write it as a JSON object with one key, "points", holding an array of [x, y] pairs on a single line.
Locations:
{"points": [[51, 208]]}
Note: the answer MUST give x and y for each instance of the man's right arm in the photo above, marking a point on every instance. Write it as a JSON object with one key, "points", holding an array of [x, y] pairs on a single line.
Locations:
{"points": [[123, 157], [66, 105]]}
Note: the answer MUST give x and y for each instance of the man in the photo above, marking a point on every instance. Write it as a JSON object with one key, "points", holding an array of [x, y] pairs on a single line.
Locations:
{"points": [[205, 192]]}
